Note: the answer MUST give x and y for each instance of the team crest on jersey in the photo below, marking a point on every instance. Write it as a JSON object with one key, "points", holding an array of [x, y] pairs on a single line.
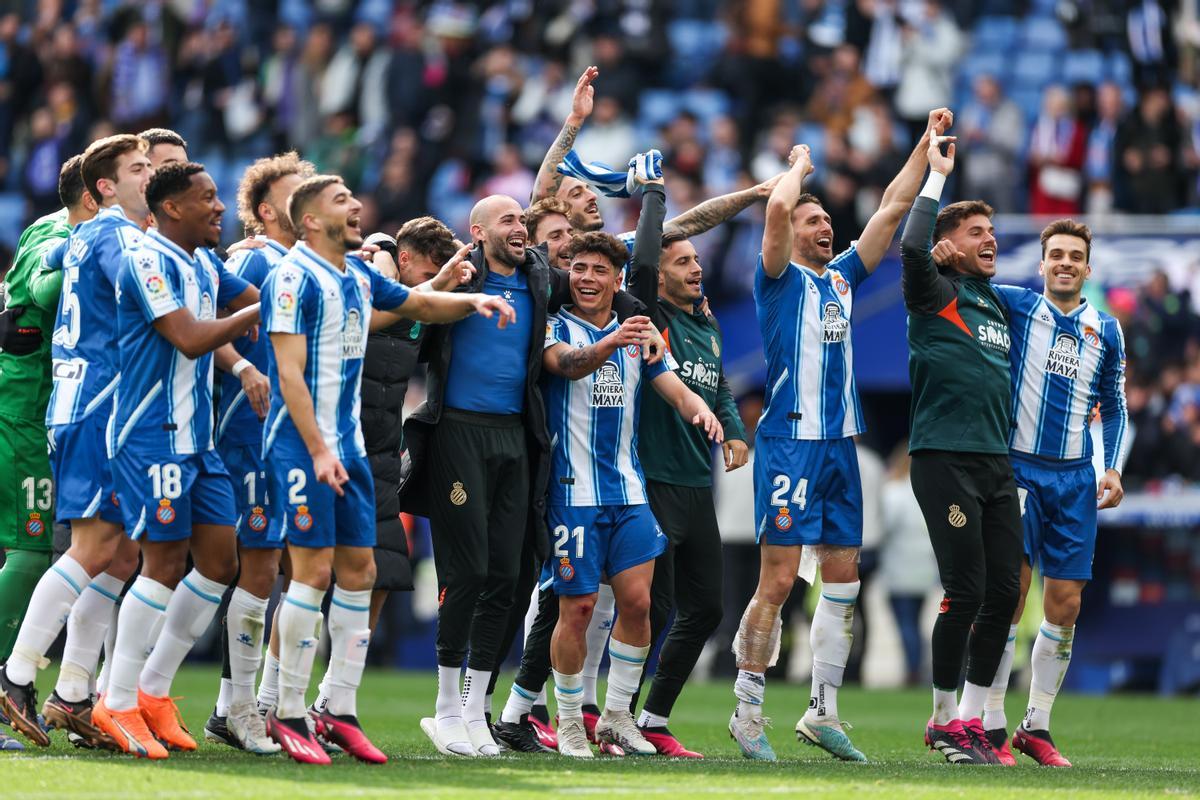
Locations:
{"points": [[840, 285], [783, 519], [835, 325], [1091, 337], [458, 495], [353, 341], [165, 514], [608, 391], [257, 520], [1063, 358], [565, 570], [34, 525], [716, 348], [303, 519], [633, 350], [956, 518]]}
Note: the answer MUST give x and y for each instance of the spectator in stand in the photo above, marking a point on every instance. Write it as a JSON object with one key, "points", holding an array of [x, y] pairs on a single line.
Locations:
{"points": [[139, 97], [884, 47], [509, 175], [280, 71], [1167, 314], [1149, 144], [932, 46], [304, 94], [1151, 41], [608, 136], [1098, 169], [907, 566], [992, 130], [723, 159], [355, 81], [840, 93], [46, 155], [1057, 146], [337, 150], [398, 197]]}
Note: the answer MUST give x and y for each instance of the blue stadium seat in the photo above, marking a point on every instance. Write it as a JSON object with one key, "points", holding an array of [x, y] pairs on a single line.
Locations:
{"points": [[695, 44], [813, 135], [995, 32], [656, 107], [1043, 33], [1120, 68], [12, 212], [706, 103], [984, 62], [1083, 66], [1028, 99], [1034, 69]]}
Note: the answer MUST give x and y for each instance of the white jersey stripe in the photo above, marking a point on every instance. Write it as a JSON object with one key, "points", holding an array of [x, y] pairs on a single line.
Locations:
{"points": [[137, 413]]}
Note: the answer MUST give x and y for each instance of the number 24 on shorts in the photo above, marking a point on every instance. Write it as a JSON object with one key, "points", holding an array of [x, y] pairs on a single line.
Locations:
{"points": [[783, 485]]}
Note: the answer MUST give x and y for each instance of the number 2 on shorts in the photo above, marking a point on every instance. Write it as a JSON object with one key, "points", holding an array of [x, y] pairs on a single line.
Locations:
{"points": [[783, 485]]}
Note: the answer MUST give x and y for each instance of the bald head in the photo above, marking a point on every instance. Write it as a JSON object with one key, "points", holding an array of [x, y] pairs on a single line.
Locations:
{"points": [[498, 221]]}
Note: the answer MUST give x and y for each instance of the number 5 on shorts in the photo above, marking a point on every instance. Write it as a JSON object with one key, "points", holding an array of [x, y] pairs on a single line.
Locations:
{"points": [[783, 485]]}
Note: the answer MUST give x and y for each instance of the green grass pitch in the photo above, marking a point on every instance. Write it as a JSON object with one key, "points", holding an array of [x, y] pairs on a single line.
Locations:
{"points": [[1133, 746]]}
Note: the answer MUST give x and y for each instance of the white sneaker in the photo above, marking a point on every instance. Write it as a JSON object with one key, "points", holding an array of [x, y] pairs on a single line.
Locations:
{"points": [[572, 738], [481, 738], [619, 728], [449, 736], [245, 725]]}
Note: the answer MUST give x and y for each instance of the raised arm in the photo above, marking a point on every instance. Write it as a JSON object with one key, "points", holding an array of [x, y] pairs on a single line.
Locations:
{"points": [[925, 290], [899, 195], [690, 405], [642, 280], [548, 178], [777, 233], [711, 213], [438, 307], [573, 363]]}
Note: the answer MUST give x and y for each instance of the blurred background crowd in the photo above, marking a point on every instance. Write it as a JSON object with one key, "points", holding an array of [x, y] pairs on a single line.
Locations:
{"points": [[1063, 107]]}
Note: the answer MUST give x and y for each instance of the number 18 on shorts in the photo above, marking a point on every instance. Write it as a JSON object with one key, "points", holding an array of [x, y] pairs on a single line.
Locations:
{"points": [[163, 496], [587, 542]]}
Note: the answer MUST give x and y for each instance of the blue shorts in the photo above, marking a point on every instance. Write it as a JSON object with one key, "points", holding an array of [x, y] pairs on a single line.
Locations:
{"points": [[248, 477], [587, 542], [310, 514], [807, 492], [83, 477], [1058, 514], [163, 496]]}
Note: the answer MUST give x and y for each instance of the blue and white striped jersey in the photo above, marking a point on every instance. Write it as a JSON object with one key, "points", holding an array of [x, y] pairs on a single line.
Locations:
{"points": [[593, 421], [85, 362], [305, 294], [804, 319], [164, 399], [237, 424], [1063, 365]]}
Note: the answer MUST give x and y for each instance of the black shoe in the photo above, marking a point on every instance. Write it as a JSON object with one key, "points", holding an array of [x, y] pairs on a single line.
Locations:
{"points": [[215, 730], [19, 704], [983, 744], [541, 714], [954, 743], [520, 737]]}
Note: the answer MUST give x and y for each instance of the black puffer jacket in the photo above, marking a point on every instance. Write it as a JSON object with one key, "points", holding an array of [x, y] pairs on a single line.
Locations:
{"points": [[390, 362]]}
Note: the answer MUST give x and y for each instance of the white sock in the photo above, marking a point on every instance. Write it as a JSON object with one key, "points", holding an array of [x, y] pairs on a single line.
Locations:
{"points": [[268, 689], [224, 698], [487, 704], [648, 720], [519, 704], [474, 689], [189, 613], [945, 706], [993, 710], [110, 651], [599, 629], [141, 619], [299, 633], [49, 607], [349, 638], [750, 689], [970, 705], [449, 699], [322, 701], [541, 698], [568, 693], [1050, 658], [625, 665], [245, 622], [831, 639], [87, 629]]}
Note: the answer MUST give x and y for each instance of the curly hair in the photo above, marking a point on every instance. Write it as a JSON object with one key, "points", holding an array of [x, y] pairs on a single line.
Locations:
{"points": [[257, 181], [427, 236], [542, 209], [604, 244]]}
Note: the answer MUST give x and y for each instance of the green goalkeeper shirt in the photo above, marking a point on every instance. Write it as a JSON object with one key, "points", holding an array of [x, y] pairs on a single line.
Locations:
{"points": [[25, 380]]}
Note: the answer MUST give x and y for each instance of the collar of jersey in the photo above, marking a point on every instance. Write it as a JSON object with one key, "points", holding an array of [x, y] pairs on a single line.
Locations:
{"points": [[116, 211], [305, 252], [612, 322], [274, 245], [812, 273], [153, 235], [1075, 312]]}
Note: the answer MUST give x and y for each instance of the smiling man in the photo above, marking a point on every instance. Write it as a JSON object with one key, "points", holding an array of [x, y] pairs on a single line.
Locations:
{"points": [[1067, 358], [958, 336]]}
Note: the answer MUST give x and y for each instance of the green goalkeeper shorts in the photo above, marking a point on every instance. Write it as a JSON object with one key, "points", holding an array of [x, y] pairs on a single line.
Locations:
{"points": [[26, 488]]}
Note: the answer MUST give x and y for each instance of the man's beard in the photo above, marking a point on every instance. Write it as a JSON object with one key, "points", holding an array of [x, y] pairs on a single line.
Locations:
{"points": [[498, 247], [582, 224], [341, 233]]}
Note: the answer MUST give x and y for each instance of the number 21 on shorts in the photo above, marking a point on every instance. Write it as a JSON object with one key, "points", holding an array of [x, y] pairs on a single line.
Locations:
{"points": [[780, 499]]}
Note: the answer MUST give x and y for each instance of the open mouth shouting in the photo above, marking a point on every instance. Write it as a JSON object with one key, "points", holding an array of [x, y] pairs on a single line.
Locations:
{"points": [[987, 255]]}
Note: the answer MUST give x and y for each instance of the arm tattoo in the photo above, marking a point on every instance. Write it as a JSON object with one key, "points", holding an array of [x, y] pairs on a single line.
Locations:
{"points": [[712, 213], [580, 361], [548, 177]]}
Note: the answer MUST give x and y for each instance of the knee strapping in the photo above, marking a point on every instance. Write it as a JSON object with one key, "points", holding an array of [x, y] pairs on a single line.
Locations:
{"points": [[834, 554], [757, 640]]}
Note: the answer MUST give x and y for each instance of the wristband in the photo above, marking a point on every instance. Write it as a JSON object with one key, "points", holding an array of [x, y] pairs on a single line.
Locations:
{"points": [[240, 367], [934, 185]]}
